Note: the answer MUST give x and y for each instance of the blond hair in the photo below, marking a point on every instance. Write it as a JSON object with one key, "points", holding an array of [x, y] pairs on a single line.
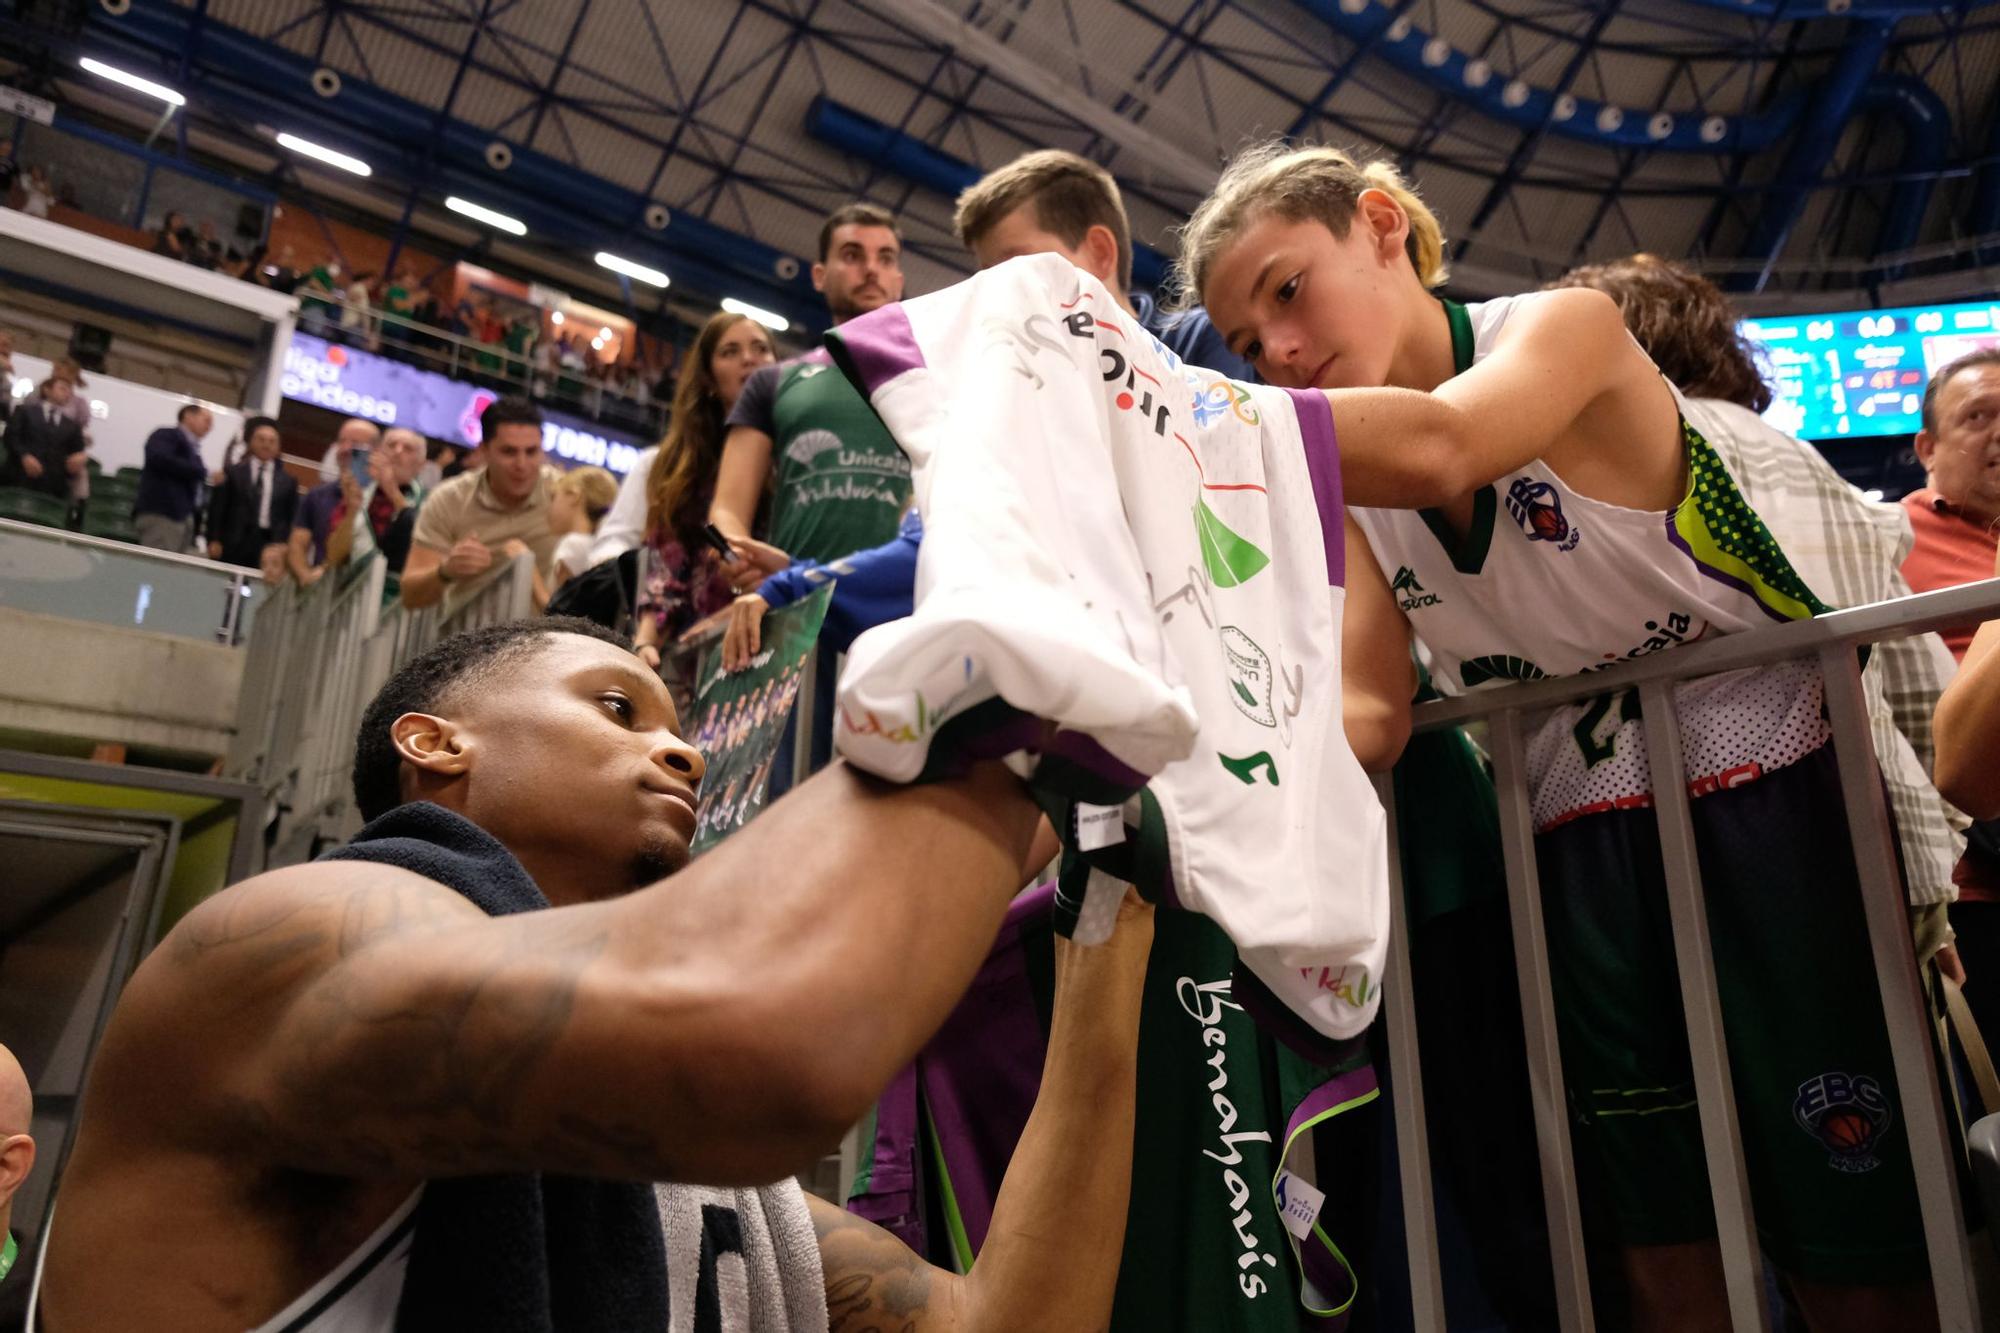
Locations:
{"points": [[1070, 195], [596, 488], [1313, 183]]}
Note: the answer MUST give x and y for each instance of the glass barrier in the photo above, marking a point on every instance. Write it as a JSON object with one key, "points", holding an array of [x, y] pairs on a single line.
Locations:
{"points": [[58, 573]]}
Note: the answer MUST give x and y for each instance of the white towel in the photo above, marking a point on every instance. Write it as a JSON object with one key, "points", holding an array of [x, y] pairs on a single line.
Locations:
{"points": [[1150, 557], [748, 1255]]}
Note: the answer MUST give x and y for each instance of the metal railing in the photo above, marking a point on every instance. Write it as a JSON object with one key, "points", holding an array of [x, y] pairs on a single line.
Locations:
{"points": [[403, 338], [119, 583], [317, 656], [1832, 641]]}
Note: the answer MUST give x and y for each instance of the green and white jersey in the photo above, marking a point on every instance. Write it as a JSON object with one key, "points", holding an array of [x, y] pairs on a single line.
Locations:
{"points": [[1547, 582]]}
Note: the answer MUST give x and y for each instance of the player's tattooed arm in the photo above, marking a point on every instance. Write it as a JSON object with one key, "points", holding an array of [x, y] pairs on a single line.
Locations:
{"points": [[875, 1284]]}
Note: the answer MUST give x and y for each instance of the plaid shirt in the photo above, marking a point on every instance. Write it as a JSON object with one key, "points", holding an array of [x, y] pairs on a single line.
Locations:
{"points": [[1850, 551]]}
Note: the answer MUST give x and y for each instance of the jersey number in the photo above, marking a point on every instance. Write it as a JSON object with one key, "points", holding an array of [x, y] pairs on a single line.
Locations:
{"points": [[1596, 751]]}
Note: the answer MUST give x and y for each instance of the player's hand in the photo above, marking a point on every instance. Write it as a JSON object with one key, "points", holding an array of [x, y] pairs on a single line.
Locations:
{"points": [[469, 557], [744, 638]]}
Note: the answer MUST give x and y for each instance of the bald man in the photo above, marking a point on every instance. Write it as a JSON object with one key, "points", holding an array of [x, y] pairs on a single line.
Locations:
{"points": [[313, 522], [17, 1152]]}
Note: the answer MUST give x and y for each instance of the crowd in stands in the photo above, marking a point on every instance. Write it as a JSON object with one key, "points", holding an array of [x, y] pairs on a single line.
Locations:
{"points": [[1475, 444]]}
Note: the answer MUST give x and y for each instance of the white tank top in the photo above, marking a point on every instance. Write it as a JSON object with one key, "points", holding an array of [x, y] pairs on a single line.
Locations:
{"points": [[1547, 582]]}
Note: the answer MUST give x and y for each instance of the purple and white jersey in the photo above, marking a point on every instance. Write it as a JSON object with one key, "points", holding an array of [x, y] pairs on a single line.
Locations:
{"points": [[1150, 557]]}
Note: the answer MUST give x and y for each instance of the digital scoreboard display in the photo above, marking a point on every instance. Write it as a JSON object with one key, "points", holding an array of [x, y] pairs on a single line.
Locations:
{"points": [[1863, 374]]}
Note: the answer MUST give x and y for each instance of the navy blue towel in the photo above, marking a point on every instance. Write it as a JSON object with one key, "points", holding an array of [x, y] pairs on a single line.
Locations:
{"points": [[527, 1253]]}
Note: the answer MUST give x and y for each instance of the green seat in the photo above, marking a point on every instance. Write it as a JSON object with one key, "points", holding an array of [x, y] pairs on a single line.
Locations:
{"points": [[118, 531], [33, 507]]}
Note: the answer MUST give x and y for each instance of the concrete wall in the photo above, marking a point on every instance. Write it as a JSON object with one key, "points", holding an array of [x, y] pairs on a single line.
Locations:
{"points": [[98, 683]]}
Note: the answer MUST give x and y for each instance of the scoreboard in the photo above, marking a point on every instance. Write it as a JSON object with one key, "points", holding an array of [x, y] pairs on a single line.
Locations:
{"points": [[1863, 373]]}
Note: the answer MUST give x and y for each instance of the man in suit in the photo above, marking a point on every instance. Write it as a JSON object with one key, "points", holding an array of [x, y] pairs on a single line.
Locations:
{"points": [[253, 506], [169, 482], [44, 446]]}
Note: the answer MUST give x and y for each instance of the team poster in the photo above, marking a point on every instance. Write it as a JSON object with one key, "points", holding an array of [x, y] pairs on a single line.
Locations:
{"points": [[739, 718]]}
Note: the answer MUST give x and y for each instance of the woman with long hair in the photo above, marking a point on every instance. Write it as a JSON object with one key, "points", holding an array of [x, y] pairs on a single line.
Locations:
{"points": [[1557, 511], [687, 579]]}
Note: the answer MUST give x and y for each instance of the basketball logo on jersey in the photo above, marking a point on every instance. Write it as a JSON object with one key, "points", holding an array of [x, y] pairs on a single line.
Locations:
{"points": [[1847, 1114], [1535, 507]]}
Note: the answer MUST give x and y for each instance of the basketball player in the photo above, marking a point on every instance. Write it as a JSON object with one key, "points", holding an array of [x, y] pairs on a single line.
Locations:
{"points": [[402, 1086]]}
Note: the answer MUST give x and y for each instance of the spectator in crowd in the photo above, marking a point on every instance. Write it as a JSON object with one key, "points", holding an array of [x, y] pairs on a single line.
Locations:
{"points": [[474, 525], [171, 240], [319, 296], [253, 506], [17, 1159], [504, 771], [1955, 517], [1848, 550], [319, 508], [399, 301], [837, 481], [39, 196], [209, 252], [1056, 202], [44, 447], [6, 362], [171, 480], [1968, 742], [282, 275], [354, 433], [582, 498], [357, 316], [381, 516], [10, 172], [1323, 271], [674, 485]]}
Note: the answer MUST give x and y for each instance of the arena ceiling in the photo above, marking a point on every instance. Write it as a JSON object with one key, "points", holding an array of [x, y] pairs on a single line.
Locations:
{"points": [[1789, 147]]}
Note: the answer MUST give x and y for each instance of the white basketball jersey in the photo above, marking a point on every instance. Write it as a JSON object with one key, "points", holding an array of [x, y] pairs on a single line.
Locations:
{"points": [[1546, 582]]}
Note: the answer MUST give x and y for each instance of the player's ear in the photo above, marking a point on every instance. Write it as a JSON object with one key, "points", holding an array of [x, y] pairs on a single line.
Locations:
{"points": [[431, 744]]}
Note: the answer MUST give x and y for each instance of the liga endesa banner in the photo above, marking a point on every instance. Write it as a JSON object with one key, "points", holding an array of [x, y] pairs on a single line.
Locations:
{"points": [[361, 384], [740, 717]]}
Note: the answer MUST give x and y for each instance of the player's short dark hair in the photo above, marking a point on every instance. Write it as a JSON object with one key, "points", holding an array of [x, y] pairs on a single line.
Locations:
{"points": [[856, 214], [512, 410], [255, 424], [1978, 356], [428, 684]]}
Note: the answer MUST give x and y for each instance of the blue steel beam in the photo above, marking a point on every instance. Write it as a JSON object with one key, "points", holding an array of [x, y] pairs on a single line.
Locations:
{"points": [[1833, 105], [1544, 111], [1517, 161]]}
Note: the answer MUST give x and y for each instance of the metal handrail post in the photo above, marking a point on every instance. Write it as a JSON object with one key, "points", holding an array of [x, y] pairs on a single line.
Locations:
{"points": [[1574, 1313], [1413, 1145], [1925, 1116], [1708, 1049]]}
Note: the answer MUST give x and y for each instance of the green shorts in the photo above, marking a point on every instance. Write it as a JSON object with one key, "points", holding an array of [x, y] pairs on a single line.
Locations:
{"points": [[1816, 1096]]}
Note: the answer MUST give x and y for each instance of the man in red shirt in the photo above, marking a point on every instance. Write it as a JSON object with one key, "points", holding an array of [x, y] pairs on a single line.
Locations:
{"points": [[1955, 516], [1954, 519]]}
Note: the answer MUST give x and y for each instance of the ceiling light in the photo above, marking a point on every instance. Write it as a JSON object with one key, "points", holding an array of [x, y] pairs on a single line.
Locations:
{"points": [[630, 269], [555, 317], [133, 81], [486, 215], [775, 323], [326, 155]]}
